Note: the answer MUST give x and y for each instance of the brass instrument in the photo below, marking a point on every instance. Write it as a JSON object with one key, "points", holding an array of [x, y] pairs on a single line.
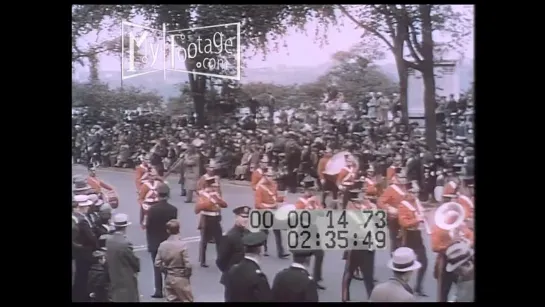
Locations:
{"points": [[444, 212]]}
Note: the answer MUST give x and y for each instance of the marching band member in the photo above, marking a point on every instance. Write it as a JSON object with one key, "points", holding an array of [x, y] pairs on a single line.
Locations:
{"points": [[257, 174], [389, 201], [147, 195], [364, 260], [450, 189], [347, 175], [391, 171], [96, 183], [310, 202], [465, 198], [142, 172], [209, 205], [321, 166], [266, 197], [410, 218], [370, 184], [210, 169], [441, 239]]}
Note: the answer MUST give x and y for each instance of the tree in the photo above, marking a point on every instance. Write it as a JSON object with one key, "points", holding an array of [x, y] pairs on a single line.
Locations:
{"points": [[88, 18], [377, 21], [354, 75], [413, 26], [262, 28], [423, 20]]}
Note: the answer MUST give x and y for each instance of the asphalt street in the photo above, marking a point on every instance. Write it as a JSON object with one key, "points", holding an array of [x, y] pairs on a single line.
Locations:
{"points": [[205, 281]]}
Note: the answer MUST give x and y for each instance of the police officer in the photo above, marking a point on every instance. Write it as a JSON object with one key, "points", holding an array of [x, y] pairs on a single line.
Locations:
{"points": [[245, 282], [231, 249], [295, 284]]}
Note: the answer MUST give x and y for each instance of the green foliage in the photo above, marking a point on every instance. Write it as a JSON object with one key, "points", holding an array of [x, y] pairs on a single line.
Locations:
{"points": [[353, 75], [100, 97]]}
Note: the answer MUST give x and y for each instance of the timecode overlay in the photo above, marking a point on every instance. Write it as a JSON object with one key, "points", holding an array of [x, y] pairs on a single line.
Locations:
{"points": [[327, 229]]}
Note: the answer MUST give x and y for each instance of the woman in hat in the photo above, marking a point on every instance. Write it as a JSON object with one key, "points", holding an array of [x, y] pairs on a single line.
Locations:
{"points": [[397, 289]]}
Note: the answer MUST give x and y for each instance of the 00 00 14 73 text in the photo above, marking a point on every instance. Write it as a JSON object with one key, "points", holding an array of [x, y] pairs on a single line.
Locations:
{"points": [[327, 229]]}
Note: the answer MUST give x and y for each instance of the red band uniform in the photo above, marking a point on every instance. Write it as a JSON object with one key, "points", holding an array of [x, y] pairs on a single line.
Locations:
{"points": [[147, 195], [310, 202], [441, 239], [364, 260], [266, 197], [389, 201], [410, 220], [209, 205]]}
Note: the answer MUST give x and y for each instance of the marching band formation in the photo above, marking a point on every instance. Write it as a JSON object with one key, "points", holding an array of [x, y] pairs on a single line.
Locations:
{"points": [[340, 176]]}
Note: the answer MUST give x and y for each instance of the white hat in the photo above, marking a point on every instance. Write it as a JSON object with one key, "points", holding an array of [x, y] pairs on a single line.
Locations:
{"points": [[82, 200], [457, 254], [404, 260], [121, 220]]}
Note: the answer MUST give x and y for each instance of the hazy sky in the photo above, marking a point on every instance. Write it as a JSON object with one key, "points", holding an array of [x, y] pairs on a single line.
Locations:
{"points": [[301, 50]]}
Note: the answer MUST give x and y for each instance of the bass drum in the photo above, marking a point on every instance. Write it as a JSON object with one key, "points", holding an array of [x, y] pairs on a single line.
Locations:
{"points": [[111, 198], [338, 161]]}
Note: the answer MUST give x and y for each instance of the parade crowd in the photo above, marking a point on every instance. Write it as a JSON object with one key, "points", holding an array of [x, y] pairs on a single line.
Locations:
{"points": [[387, 158]]}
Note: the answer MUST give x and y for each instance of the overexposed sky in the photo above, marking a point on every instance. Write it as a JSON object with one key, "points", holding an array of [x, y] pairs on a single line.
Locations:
{"points": [[302, 49]]}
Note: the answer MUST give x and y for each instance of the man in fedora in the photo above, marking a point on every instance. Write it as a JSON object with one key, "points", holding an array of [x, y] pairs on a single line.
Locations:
{"points": [[123, 265], [397, 289], [80, 186], [460, 263], [158, 216], [85, 243]]}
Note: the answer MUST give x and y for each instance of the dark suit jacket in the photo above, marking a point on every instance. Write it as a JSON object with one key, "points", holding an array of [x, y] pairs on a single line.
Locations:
{"points": [[245, 282], [294, 285], [158, 216], [231, 250]]}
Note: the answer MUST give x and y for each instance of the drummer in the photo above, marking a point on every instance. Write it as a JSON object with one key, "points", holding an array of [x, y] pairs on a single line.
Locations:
{"points": [[96, 183]]}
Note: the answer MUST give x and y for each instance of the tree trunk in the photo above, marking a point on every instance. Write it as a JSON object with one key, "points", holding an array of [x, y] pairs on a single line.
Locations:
{"points": [[429, 105], [403, 75]]}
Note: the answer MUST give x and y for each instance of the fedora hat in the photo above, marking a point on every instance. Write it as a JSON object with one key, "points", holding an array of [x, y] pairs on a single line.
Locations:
{"points": [[121, 220], [457, 254], [82, 200], [404, 260]]}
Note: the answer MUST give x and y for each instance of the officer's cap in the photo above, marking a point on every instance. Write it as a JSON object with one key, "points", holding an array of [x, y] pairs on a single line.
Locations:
{"points": [[242, 211], [254, 239]]}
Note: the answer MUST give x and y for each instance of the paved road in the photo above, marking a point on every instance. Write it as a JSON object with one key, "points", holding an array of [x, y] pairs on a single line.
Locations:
{"points": [[205, 281]]}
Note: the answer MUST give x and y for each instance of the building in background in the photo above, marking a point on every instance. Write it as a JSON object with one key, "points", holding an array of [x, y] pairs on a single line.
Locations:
{"points": [[447, 82]]}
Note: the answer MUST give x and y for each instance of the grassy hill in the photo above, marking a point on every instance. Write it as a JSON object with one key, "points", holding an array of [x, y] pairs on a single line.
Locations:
{"points": [[282, 75]]}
